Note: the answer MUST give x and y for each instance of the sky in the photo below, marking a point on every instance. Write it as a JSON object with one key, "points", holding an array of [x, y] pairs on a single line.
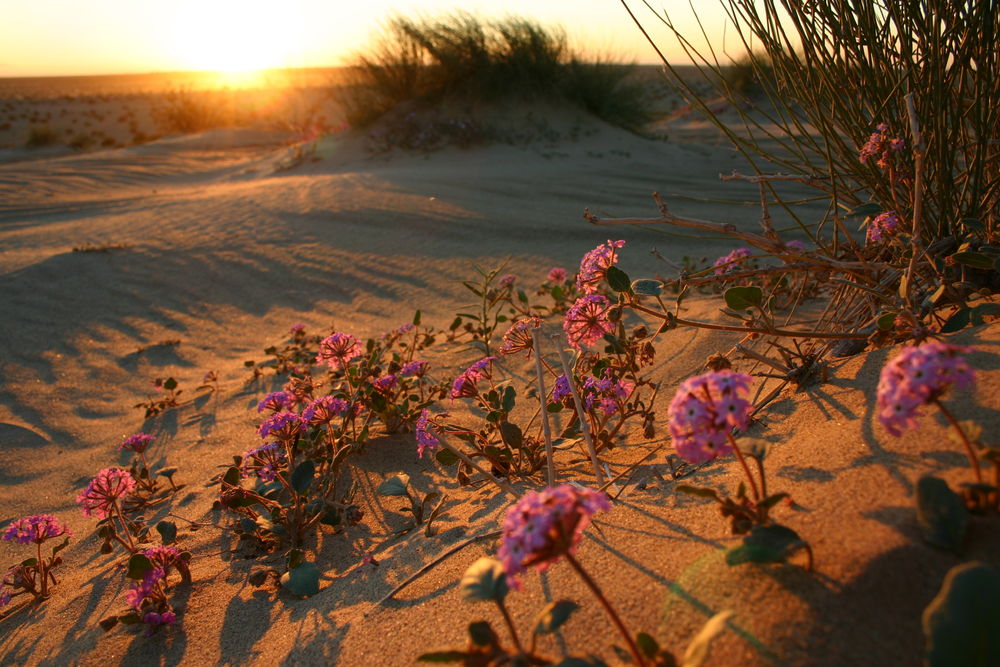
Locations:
{"points": [[75, 37]]}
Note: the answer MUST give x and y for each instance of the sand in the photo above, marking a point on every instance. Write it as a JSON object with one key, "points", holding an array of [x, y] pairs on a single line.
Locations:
{"points": [[214, 244]]}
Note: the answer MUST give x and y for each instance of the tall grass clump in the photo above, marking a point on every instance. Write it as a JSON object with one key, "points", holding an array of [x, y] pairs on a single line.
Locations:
{"points": [[891, 112], [185, 111], [464, 59]]}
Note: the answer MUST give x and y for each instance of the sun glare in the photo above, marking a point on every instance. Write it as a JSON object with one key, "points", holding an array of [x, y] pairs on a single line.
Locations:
{"points": [[234, 36]]}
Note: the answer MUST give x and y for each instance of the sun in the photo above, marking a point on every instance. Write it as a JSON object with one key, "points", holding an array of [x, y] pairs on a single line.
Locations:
{"points": [[234, 36]]}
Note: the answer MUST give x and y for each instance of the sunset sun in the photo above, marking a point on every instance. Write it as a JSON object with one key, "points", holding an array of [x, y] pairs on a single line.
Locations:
{"points": [[231, 36]]}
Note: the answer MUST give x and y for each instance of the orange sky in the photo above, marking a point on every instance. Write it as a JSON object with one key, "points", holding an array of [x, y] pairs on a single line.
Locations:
{"points": [[67, 37]]}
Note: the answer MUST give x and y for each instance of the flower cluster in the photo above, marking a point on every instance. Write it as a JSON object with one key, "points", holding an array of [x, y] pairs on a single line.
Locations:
{"points": [[507, 281], [880, 145], [385, 384], [556, 275], [277, 401], [595, 264], [605, 393], [704, 411], [518, 337], [884, 225], [561, 389], [588, 320], [732, 262], [264, 461], [285, 426], [324, 409], [137, 442], [103, 492], [464, 385], [917, 376], [426, 440], [544, 525], [415, 368], [36, 528], [337, 349]]}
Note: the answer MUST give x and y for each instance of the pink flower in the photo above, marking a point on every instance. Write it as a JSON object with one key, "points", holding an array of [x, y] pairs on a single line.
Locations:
{"points": [[36, 528], [103, 492], [557, 275], [731, 262], [544, 525], [915, 377], [137, 443], [285, 426], [337, 349], [464, 385], [385, 384], [605, 393], [587, 321], [518, 337], [264, 461], [277, 401], [324, 409], [426, 440], [880, 145], [885, 224], [150, 583], [704, 411], [415, 368], [595, 264], [507, 280]]}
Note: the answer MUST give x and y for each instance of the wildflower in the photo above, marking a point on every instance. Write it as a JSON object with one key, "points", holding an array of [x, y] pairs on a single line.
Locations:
{"points": [[404, 329], [154, 619], [416, 368], [337, 349], [36, 528], [165, 557], [103, 492], [796, 246], [587, 320], [507, 281], [557, 275], [595, 264], [137, 442], [263, 461], [605, 393], [544, 525], [324, 409], [385, 384], [561, 389], [917, 376], [518, 337], [297, 329], [731, 262], [880, 145], [885, 224], [465, 384], [426, 440], [145, 587], [4, 598], [704, 411], [284, 426], [277, 401]]}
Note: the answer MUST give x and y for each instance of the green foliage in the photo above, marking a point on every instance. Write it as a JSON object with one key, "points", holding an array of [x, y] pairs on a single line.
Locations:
{"points": [[941, 513], [303, 580], [425, 62], [766, 544], [962, 623], [484, 580]]}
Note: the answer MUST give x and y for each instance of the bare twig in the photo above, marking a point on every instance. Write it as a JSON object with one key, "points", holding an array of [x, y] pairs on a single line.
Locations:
{"points": [[502, 483], [584, 423], [918, 195], [550, 473]]}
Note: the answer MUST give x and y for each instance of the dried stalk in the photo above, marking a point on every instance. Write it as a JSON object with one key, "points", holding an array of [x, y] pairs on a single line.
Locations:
{"points": [[918, 195], [550, 474], [502, 483], [584, 423]]}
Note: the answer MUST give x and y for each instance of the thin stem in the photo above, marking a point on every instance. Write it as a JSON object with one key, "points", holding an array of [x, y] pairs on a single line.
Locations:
{"points": [[584, 421], [973, 459], [746, 468], [550, 473], [510, 626], [633, 649], [763, 479]]}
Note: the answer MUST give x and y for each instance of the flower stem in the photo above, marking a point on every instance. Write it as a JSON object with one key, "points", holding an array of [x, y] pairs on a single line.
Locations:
{"points": [[746, 468], [633, 649], [965, 439], [510, 626]]}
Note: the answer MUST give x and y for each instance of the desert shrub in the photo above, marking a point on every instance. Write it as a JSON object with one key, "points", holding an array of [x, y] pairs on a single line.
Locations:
{"points": [[185, 111], [41, 135], [461, 57], [749, 76]]}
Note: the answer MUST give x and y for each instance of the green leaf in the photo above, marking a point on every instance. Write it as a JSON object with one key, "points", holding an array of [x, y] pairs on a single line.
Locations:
{"points": [[484, 580], [294, 558], [170, 384], [700, 491], [232, 476], [416, 319], [29, 562], [743, 297], [303, 475], [509, 399], [455, 323], [553, 615], [444, 656], [886, 321], [394, 486], [941, 513], [647, 287], [973, 259], [982, 310], [618, 280], [512, 435], [59, 547], [772, 500], [647, 644], [766, 544], [130, 619], [958, 321], [482, 634], [331, 517], [554, 407], [108, 623], [865, 210], [446, 457], [303, 580], [962, 623], [167, 531], [697, 650], [138, 566]]}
